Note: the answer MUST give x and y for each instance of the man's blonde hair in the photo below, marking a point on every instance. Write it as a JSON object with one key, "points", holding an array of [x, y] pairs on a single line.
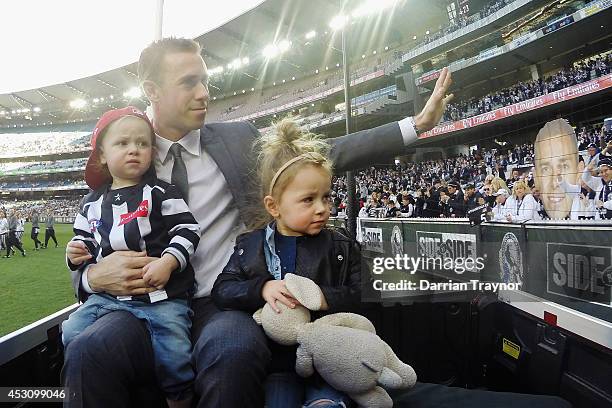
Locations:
{"points": [[150, 64]]}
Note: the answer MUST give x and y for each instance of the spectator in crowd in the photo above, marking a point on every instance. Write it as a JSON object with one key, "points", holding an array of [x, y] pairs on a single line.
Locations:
{"points": [[537, 196], [391, 211], [592, 156], [472, 199], [407, 208], [521, 206], [601, 186], [500, 211]]}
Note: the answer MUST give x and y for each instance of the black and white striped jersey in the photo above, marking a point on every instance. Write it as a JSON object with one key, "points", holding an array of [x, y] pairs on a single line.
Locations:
{"points": [[151, 216]]}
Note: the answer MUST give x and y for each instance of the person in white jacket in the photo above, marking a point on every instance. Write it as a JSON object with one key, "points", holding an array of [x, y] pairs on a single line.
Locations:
{"points": [[602, 186], [3, 230], [521, 206], [500, 211]]}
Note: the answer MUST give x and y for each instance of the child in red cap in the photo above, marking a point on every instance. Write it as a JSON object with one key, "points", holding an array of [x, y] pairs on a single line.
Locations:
{"points": [[129, 209]]}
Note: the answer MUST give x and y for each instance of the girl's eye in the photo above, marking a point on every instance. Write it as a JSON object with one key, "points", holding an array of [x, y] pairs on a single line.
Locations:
{"points": [[307, 199]]}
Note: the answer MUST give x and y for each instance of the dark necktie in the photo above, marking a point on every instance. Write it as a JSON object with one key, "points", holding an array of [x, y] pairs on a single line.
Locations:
{"points": [[179, 171]]}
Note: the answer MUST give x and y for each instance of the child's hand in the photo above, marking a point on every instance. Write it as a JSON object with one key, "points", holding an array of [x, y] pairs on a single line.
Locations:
{"points": [[276, 290], [158, 272], [77, 252]]}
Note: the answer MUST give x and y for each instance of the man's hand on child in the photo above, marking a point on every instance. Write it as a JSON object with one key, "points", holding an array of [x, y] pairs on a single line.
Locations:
{"points": [[276, 290], [158, 272], [77, 252]]}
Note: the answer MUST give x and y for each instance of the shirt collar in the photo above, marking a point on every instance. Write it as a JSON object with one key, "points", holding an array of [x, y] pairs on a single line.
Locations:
{"points": [[190, 142]]}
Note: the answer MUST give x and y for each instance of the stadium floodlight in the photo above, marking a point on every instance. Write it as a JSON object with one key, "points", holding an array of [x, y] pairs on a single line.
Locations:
{"points": [[96, 100], [36, 109], [270, 51], [414, 37], [371, 7], [237, 63], [311, 34], [338, 22], [245, 61], [284, 45], [133, 93], [78, 104]]}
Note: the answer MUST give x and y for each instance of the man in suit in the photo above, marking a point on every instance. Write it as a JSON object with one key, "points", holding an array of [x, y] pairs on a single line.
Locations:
{"points": [[111, 361]]}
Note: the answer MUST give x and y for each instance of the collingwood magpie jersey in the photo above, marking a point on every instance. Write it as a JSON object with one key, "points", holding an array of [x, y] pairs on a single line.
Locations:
{"points": [[150, 216]]}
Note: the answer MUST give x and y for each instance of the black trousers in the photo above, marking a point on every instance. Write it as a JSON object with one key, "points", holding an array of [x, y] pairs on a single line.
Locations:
{"points": [[12, 241], [34, 236], [50, 233]]}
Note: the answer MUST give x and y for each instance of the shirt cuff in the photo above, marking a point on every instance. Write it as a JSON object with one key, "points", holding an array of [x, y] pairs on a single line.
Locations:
{"points": [[84, 282], [178, 255], [408, 131]]}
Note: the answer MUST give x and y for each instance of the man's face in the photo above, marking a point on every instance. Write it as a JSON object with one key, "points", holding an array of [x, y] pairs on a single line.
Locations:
{"points": [[592, 151], [535, 192], [515, 174], [556, 160], [606, 173], [183, 96], [470, 192], [451, 190]]}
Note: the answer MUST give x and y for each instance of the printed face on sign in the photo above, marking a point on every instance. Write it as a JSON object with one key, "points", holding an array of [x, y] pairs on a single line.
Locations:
{"points": [[556, 163]]}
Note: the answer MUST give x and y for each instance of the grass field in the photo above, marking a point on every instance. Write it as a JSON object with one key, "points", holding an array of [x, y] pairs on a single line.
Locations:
{"points": [[37, 285]]}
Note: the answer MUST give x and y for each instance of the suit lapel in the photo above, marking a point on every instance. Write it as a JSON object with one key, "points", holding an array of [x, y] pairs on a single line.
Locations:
{"points": [[214, 145]]}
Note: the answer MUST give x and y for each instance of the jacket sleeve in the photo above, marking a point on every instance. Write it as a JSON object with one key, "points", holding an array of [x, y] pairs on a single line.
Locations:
{"points": [[347, 297], [366, 147], [234, 289]]}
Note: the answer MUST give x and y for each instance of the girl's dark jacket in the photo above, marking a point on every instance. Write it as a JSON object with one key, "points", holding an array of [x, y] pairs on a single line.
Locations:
{"points": [[330, 259]]}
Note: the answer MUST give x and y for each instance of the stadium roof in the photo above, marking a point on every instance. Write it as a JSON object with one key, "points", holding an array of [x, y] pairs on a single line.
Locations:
{"points": [[241, 38]]}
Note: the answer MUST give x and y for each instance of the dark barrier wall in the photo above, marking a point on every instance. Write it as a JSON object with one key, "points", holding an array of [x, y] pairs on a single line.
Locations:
{"points": [[561, 262]]}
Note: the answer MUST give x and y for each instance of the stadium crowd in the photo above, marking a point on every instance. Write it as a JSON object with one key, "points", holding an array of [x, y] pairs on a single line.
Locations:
{"points": [[450, 187], [580, 72], [43, 165], [27, 144], [464, 20]]}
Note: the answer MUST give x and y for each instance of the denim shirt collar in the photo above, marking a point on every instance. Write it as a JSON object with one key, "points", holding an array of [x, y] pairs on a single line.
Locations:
{"points": [[273, 261]]}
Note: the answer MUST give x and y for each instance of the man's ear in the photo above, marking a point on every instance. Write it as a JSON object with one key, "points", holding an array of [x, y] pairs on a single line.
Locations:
{"points": [[271, 206], [151, 90]]}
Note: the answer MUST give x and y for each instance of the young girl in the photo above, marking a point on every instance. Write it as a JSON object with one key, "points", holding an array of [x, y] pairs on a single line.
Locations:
{"points": [[130, 209], [295, 175]]}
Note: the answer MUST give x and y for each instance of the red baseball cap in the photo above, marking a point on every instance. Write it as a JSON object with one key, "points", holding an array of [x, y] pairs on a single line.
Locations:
{"points": [[94, 177]]}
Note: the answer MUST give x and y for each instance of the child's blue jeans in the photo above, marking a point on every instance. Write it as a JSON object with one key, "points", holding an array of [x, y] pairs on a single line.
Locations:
{"points": [[169, 323], [288, 390]]}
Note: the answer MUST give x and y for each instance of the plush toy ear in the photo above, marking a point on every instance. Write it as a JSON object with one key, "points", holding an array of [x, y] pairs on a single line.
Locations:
{"points": [[305, 291], [257, 316]]}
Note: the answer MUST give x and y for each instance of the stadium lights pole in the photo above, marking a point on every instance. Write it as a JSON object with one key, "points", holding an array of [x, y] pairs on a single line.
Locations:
{"points": [[159, 20], [351, 205]]}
